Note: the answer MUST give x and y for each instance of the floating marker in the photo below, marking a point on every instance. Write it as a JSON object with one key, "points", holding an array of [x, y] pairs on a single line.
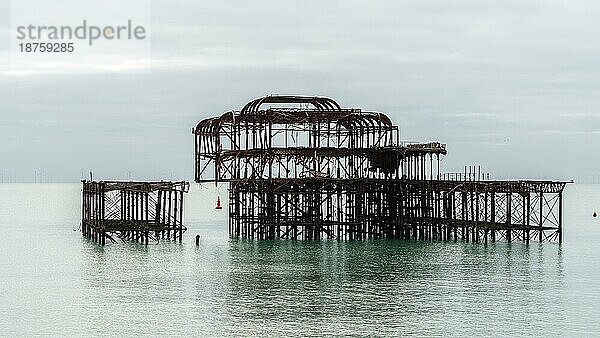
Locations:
{"points": [[218, 203]]}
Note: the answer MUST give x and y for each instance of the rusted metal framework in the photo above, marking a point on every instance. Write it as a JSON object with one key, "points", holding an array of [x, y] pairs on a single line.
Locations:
{"points": [[135, 211], [304, 168], [479, 211]]}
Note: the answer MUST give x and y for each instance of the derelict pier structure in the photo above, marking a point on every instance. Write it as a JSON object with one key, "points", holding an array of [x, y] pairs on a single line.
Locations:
{"points": [[133, 211], [305, 168]]}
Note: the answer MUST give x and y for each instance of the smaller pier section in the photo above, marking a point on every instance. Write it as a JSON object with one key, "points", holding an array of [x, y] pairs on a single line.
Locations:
{"points": [[133, 211]]}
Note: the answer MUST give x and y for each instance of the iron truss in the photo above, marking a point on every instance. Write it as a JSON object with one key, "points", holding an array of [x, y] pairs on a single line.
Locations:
{"points": [[136, 211]]}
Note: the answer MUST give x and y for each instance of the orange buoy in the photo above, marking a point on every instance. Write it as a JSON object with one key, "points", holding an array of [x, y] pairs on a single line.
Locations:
{"points": [[594, 214], [218, 203]]}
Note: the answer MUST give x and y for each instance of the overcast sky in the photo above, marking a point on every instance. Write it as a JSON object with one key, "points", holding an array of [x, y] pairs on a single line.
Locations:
{"points": [[513, 86]]}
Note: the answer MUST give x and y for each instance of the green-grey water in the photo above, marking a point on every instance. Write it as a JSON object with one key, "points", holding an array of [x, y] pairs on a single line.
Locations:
{"points": [[54, 282]]}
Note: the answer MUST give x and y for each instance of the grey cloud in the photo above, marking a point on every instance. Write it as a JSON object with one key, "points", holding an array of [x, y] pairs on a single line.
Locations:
{"points": [[508, 85]]}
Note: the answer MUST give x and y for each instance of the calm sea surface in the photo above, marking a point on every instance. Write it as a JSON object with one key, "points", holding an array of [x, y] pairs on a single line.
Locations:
{"points": [[54, 282]]}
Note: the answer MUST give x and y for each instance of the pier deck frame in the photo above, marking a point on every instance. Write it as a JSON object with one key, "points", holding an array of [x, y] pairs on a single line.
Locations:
{"points": [[134, 211], [320, 171], [472, 211]]}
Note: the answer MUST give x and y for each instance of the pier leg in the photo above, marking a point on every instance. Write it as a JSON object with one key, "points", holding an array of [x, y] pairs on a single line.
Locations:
{"points": [[560, 217]]}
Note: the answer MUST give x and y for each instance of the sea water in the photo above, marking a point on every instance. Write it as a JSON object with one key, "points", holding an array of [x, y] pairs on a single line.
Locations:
{"points": [[54, 282]]}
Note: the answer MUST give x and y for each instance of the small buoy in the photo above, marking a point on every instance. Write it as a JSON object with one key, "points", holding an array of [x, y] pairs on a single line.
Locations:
{"points": [[197, 239], [594, 214], [218, 203]]}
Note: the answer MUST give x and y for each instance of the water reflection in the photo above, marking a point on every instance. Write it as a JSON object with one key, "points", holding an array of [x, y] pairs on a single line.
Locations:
{"points": [[389, 287], [240, 287], [57, 283], [130, 285]]}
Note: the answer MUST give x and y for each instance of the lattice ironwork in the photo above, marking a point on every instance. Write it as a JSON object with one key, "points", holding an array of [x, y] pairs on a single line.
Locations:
{"points": [[136, 211]]}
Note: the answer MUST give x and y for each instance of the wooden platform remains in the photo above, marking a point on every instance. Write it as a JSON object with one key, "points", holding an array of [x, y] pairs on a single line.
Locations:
{"points": [[133, 211]]}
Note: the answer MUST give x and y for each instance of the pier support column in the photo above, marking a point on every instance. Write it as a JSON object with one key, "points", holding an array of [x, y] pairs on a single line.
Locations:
{"points": [[560, 217]]}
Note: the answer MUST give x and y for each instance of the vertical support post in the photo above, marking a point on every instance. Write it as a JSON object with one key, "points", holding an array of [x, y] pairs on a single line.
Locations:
{"points": [[180, 216], [493, 215], [508, 216], [168, 216], [485, 217], [541, 232], [560, 217], [157, 215], [438, 166], [524, 219], [103, 213]]}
